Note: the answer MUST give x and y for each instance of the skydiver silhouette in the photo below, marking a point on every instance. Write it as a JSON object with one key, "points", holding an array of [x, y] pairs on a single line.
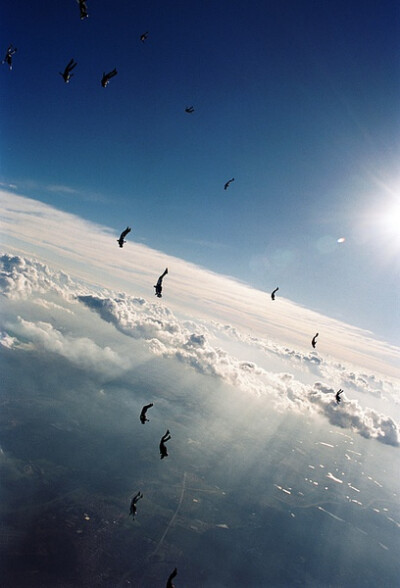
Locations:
{"points": [[11, 50], [226, 186], [121, 240], [135, 499], [107, 77], [163, 448], [158, 286], [67, 75], [337, 395], [143, 417], [171, 577], [144, 36], [189, 109], [273, 293], [314, 340], [83, 9]]}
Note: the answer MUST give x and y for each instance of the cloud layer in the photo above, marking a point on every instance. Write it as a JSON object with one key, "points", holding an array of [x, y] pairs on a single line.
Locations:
{"points": [[89, 252], [190, 342], [167, 337]]}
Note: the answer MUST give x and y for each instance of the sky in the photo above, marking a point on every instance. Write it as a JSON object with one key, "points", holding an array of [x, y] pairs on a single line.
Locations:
{"points": [[297, 101]]}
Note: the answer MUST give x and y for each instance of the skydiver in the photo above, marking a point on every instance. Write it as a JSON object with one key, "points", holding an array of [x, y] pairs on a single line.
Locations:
{"points": [[226, 186], [144, 36], [273, 293], [83, 9], [11, 50], [121, 240], [158, 286], [189, 109], [163, 448], [67, 75], [135, 499], [107, 77], [171, 577], [337, 395], [142, 417], [314, 340]]}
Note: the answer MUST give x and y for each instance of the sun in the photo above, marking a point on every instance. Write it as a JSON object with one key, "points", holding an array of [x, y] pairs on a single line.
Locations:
{"points": [[379, 223], [389, 221]]}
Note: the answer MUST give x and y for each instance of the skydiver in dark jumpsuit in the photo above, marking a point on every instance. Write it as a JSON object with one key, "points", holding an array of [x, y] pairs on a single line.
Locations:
{"points": [[163, 448]]}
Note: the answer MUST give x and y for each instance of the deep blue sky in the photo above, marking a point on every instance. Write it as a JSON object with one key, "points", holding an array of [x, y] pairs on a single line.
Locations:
{"points": [[299, 101]]}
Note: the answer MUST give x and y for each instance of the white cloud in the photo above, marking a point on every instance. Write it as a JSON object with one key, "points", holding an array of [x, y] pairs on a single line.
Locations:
{"points": [[21, 277], [168, 326], [349, 414], [62, 189], [187, 342], [344, 374], [167, 337], [81, 351], [51, 305], [7, 341], [89, 251]]}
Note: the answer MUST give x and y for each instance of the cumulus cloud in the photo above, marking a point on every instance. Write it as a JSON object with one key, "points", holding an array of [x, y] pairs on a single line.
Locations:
{"points": [[81, 351], [167, 337], [349, 414], [189, 342], [343, 374], [135, 317], [21, 277], [51, 305]]}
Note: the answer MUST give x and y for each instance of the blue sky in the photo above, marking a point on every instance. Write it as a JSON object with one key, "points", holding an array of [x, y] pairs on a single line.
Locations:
{"points": [[296, 100]]}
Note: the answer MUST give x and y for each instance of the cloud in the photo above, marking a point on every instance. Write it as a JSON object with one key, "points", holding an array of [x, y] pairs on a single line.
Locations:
{"points": [[7, 341], [51, 305], [167, 337], [189, 342], [175, 334], [21, 277], [349, 414], [81, 351], [344, 374], [88, 251], [62, 189], [136, 317]]}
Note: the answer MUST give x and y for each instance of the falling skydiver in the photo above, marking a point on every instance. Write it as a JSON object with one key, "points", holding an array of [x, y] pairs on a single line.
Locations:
{"points": [[121, 240], [337, 395], [314, 340], [171, 577], [163, 448], [11, 50], [107, 77], [158, 286], [143, 417], [273, 293], [135, 499], [83, 9], [67, 75]]}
